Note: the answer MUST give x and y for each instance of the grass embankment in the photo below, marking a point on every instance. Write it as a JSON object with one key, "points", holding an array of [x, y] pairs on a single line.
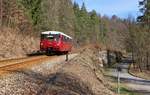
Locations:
{"points": [[15, 44], [145, 74], [124, 88], [81, 76]]}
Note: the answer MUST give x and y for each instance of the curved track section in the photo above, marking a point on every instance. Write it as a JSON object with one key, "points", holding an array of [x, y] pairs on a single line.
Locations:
{"points": [[4, 63], [7, 66]]}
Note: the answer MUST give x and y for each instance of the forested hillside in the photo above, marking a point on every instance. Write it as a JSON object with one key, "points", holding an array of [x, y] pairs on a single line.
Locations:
{"points": [[21, 22], [140, 38]]}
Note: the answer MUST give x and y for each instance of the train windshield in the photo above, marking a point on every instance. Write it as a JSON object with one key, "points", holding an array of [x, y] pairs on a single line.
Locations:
{"points": [[50, 37]]}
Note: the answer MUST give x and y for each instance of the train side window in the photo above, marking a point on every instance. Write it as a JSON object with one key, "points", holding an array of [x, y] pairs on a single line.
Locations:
{"points": [[57, 37], [67, 40], [64, 39]]}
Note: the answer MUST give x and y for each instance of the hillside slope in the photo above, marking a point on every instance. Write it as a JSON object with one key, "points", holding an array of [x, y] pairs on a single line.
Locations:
{"points": [[23, 20], [15, 44], [59, 15], [82, 75]]}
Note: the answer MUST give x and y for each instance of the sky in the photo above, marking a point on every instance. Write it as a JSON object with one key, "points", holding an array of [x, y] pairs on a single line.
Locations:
{"points": [[121, 8]]}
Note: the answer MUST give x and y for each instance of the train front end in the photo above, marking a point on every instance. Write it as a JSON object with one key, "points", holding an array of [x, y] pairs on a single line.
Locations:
{"points": [[49, 42]]}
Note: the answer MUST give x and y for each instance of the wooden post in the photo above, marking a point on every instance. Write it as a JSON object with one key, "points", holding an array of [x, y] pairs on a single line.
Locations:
{"points": [[67, 57], [133, 61], [108, 57], [147, 55]]}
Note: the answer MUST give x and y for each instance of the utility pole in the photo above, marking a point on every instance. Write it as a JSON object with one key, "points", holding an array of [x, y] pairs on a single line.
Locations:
{"points": [[119, 70]]}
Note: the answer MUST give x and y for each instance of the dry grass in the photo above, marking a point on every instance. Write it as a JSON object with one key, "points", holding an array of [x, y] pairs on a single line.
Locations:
{"points": [[82, 75], [65, 84], [16, 44], [145, 74], [136, 72], [86, 67]]}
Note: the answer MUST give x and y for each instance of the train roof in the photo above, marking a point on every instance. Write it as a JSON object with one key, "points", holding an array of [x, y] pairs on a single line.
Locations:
{"points": [[56, 32]]}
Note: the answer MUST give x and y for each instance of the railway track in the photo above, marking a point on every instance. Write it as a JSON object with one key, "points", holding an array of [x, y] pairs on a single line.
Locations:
{"points": [[19, 60], [7, 66]]}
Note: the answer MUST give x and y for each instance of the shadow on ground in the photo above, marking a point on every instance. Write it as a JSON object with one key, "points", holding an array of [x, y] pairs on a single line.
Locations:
{"points": [[58, 84], [36, 53]]}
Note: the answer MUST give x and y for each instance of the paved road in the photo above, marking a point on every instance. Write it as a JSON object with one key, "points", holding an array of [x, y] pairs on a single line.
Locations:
{"points": [[135, 83]]}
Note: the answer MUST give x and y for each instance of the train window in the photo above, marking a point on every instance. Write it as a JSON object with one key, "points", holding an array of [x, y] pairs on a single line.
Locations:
{"points": [[43, 36], [51, 38], [68, 40], [64, 39], [56, 37]]}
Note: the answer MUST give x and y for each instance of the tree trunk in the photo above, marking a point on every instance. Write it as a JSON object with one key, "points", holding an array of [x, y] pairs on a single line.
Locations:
{"points": [[133, 60], [1, 12], [108, 58], [139, 65], [147, 60]]}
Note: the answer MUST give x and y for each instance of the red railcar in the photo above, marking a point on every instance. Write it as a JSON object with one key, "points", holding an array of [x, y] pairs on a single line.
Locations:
{"points": [[55, 42]]}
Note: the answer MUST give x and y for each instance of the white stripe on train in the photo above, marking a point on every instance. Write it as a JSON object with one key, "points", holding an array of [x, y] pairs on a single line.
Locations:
{"points": [[56, 32]]}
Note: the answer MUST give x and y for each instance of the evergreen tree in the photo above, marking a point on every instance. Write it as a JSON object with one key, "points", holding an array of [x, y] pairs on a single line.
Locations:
{"points": [[77, 23], [95, 25], [144, 21], [145, 10], [85, 23], [81, 23], [34, 10]]}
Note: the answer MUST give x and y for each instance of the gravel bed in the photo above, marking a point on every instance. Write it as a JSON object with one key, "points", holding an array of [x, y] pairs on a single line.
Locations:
{"points": [[29, 81]]}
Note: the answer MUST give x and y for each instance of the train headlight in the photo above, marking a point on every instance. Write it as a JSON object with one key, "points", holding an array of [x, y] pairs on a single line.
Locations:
{"points": [[42, 44]]}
